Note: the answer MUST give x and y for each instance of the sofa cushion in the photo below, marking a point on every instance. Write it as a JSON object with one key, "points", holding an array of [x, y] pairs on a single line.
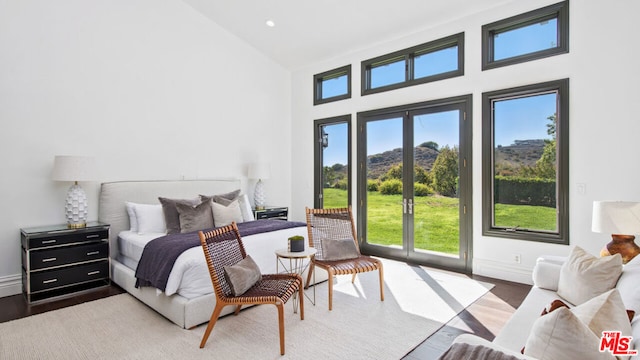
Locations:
{"points": [[584, 276], [562, 335]]}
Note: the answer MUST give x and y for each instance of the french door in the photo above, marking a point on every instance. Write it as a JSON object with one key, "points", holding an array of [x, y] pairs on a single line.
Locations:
{"points": [[414, 183]]}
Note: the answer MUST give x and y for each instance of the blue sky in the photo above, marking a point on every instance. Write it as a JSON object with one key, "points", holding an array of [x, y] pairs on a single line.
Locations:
{"points": [[515, 119]]}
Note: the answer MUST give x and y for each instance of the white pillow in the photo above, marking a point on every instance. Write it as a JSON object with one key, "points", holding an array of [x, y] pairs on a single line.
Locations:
{"points": [[133, 222], [245, 208], [225, 215], [628, 285], [561, 335], [584, 276], [150, 219], [604, 312]]}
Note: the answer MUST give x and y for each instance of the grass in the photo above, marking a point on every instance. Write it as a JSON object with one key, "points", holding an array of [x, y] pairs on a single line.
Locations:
{"points": [[435, 219]]}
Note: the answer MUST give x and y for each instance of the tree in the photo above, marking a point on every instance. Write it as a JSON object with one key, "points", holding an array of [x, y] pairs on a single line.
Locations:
{"points": [[445, 172], [546, 165], [430, 144], [394, 172]]}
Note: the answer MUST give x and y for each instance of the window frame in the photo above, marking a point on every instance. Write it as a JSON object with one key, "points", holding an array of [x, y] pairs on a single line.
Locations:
{"points": [[318, 202], [559, 11], [409, 54], [327, 75], [562, 165]]}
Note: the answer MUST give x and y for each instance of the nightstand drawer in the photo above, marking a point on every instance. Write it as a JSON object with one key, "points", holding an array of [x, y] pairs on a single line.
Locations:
{"points": [[67, 238], [66, 276], [271, 214], [68, 255]]}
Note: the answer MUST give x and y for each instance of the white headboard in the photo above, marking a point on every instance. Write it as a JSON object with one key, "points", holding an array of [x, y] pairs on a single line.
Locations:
{"points": [[113, 196]]}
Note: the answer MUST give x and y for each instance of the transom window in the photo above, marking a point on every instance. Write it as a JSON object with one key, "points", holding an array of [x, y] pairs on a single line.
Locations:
{"points": [[525, 162], [436, 60], [332, 85], [525, 37]]}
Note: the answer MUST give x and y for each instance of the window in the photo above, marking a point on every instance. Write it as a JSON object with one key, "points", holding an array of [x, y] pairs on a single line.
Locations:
{"points": [[332, 85], [436, 60], [525, 159], [525, 37], [332, 170]]}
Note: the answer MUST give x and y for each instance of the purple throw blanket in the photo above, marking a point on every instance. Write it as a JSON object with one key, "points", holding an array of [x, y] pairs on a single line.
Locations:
{"points": [[160, 254]]}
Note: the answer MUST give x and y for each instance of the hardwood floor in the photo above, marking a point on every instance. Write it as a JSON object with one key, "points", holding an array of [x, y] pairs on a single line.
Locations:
{"points": [[485, 317]]}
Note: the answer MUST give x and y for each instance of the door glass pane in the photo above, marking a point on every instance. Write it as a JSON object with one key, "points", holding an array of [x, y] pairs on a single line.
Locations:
{"points": [[335, 157], [436, 62], [524, 153], [388, 74], [384, 182], [436, 176], [526, 39]]}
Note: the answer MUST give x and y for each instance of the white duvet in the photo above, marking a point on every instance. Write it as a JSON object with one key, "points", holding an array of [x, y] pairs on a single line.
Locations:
{"points": [[190, 276]]}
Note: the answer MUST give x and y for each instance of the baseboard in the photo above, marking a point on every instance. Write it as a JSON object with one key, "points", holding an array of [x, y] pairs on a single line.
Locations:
{"points": [[502, 271], [10, 285]]}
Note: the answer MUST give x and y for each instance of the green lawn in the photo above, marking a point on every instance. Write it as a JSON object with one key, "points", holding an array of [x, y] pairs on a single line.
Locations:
{"points": [[436, 219]]}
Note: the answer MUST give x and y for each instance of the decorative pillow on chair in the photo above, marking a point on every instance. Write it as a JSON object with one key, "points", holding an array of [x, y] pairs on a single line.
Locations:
{"points": [[171, 216], [584, 276], [604, 312], [225, 215], [193, 218], [343, 249], [242, 276]]}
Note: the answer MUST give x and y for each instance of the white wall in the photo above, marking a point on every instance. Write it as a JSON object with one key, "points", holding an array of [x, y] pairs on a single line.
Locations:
{"points": [[151, 88], [603, 71]]}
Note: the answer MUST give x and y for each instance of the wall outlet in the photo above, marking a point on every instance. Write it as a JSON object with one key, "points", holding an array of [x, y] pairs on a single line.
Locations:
{"points": [[516, 258]]}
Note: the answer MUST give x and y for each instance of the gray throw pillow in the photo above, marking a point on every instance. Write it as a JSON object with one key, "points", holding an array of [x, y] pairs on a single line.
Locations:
{"points": [[224, 199], [193, 218], [342, 249], [242, 276], [171, 216]]}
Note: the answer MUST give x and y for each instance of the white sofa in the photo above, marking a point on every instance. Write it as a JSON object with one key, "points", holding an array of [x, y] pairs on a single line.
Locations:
{"points": [[513, 336]]}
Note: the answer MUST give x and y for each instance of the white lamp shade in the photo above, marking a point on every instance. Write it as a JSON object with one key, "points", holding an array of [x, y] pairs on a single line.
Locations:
{"points": [[259, 171], [616, 217], [74, 168]]}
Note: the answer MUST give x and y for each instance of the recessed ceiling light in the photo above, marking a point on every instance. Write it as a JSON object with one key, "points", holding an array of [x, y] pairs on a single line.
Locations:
{"points": [[270, 23]]}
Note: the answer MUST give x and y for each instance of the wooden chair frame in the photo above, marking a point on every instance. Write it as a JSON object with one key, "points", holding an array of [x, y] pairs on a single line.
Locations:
{"points": [[331, 220], [224, 247]]}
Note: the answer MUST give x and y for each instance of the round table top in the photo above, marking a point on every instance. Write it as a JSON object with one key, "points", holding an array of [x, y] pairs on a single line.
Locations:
{"points": [[307, 252]]}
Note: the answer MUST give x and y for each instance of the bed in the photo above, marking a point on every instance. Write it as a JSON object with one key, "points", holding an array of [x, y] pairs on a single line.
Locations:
{"points": [[185, 305]]}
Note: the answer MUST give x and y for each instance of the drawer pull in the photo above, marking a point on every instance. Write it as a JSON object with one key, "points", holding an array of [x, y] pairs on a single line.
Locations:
{"points": [[93, 272], [93, 236], [49, 241], [93, 253], [49, 259], [49, 281]]}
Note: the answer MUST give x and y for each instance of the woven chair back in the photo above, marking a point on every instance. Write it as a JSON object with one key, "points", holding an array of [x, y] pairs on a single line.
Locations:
{"points": [[222, 247], [330, 224]]}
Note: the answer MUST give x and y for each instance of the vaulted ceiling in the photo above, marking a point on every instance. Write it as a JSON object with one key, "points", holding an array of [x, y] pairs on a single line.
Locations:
{"points": [[307, 31]]}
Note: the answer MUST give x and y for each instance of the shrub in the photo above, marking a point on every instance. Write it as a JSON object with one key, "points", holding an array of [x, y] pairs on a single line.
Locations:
{"points": [[391, 187], [341, 184], [373, 185], [422, 189]]}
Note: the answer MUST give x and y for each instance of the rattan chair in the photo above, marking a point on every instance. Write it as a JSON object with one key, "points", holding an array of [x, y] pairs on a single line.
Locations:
{"points": [[337, 224], [223, 247]]}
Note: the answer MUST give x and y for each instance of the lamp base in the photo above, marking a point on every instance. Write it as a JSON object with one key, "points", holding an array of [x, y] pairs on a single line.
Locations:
{"points": [[76, 208], [259, 196], [623, 245]]}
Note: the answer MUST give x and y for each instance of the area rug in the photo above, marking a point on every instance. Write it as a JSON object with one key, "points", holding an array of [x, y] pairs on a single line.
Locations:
{"points": [[418, 301]]}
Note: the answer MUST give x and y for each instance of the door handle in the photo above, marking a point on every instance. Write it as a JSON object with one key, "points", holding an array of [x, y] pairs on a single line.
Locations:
{"points": [[410, 206], [404, 206]]}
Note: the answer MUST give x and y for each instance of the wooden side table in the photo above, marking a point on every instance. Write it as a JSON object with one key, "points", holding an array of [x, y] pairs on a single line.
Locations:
{"points": [[298, 263]]}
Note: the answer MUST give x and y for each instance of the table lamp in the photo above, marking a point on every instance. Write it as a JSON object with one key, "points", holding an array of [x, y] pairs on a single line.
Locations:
{"points": [[621, 219], [260, 171], [74, 168]]}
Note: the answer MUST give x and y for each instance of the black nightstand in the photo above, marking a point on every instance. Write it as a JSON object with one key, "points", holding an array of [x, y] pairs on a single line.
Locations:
{"points": [[271, 212], [58, 261]]}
